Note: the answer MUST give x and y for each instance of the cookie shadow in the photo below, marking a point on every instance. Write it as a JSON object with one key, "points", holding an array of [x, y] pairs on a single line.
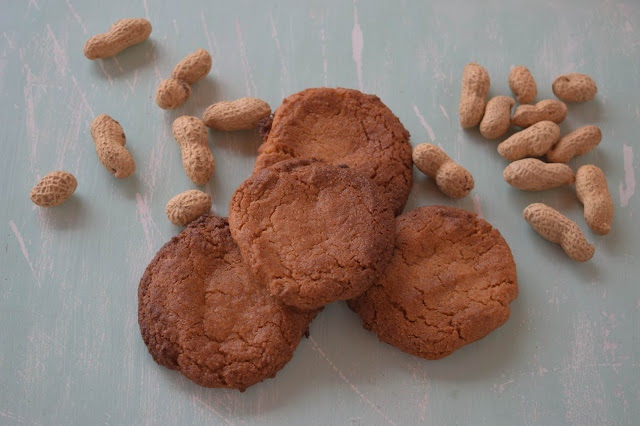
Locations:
{"points": [[244, 143], [425, 192]]}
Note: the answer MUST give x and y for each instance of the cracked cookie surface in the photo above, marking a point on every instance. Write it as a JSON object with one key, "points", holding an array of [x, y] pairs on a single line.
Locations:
{"points": [[342, 126], [448, 284], [313, 233], [201, 312]]}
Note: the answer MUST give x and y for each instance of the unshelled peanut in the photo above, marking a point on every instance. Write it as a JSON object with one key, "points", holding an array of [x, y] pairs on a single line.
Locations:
{"points": [[197, 159], [547, 110], [110, 140], [187, 206], [531, 142], [523, 85], [555, 227], [241, 114], [451, 178], [174, 92], [593, 193], [575, 87], [531, 174], [54, 189], [578, 142], [122, 34], [473, 94], [497, 117]]}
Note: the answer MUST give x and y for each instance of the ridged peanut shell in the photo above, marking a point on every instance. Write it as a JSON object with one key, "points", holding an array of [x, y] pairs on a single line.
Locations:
{"points": [[172, 93], [122, 34], [452, 179], [578, 142], [575, 87], [197, 159], [523, 85], [473, 94], [109, 140], [531, 174], [531, 142], [497, 117], [193, 67], [593, 193], [187, 206], [241, 114], [546, 110], [557, 228], [53, 189]]}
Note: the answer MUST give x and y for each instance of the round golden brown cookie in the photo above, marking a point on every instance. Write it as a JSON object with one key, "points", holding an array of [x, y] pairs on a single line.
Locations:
{"points": [[342, 126], [448, 284], [313, 233], [201, 312]]}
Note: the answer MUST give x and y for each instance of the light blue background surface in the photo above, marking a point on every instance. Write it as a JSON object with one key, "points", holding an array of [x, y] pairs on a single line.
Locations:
{"points": [[70, 347]]}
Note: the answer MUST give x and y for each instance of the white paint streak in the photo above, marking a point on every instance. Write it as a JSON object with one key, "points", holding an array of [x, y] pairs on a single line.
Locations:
{"points": [[59, 55], [25, 253], [353, 387], [206, 31], [175, 27], [135, 78], [33, 2], [476, 205], [82, 95], [9, 41], [324, 52], [146, 9], [117, 62], [357, 43], [444, 111], [213, 410], [248, 78], [424, 123], [629, 187], [148, 224], [585, 395], [145, 219], [11, 416], [104, 71], [76, 16], [284, 77], [32, 129]]}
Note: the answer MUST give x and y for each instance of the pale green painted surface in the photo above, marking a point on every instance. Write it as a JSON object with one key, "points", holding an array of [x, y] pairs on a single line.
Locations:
{"points": [[70, 348]]}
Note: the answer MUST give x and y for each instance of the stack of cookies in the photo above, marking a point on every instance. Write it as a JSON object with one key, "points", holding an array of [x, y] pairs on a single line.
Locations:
{"points": [[319, 221]]}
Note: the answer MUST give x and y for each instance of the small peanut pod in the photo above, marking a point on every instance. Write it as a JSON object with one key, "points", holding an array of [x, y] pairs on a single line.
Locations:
{"points": [[174, 92], [531, 174], [593, 193], [122, 34], [497, 117], [109, 140], [523, 85], [575, 87], [451, 178], [547, 110], [241, 114], [531, 142], [557, 228], [197, 159], [578, 142], [53, 189], [473, 95], [187, 206]]}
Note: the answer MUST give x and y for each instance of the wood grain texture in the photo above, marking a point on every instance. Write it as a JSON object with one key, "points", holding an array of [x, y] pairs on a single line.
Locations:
{"points": [[71, 351]]}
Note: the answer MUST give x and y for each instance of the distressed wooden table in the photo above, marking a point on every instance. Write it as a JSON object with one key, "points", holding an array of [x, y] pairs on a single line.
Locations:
{"points": [[70, 348]]}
